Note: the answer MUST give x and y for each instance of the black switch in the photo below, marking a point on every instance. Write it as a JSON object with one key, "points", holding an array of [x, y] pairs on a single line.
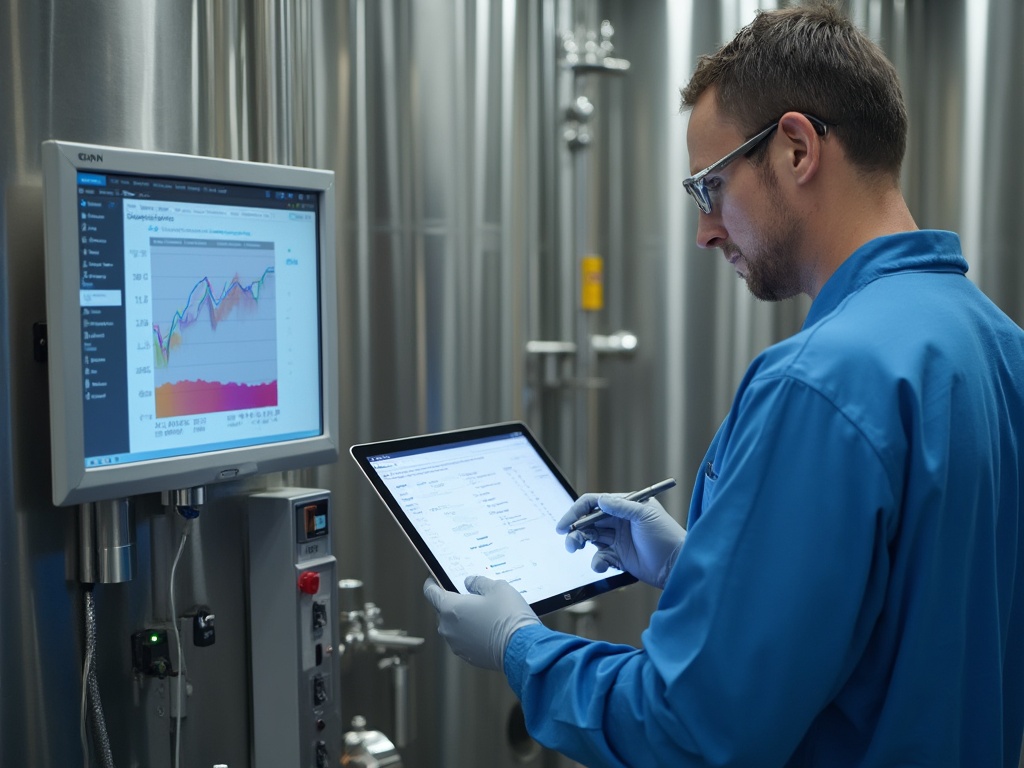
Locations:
{"points": [[319, 690], [203, 633], [319, 615]]}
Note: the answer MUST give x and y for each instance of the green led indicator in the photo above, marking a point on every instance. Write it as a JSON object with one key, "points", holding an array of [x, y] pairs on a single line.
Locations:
{"points": [[154, 637]]}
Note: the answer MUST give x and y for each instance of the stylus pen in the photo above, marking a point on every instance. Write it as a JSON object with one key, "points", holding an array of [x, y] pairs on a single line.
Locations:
{"points": [[640, 496]]}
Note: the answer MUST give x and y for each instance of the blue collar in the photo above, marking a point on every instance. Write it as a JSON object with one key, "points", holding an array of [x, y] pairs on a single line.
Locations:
{"points": [[926, 250]]}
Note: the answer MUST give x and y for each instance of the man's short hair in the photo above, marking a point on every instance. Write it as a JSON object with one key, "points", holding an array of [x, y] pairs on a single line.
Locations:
{"points": [[811, 59]]}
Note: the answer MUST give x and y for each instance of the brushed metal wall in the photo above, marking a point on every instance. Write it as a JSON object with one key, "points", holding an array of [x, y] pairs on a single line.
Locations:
{"points": [[175, 76], [87, 72], [443, 223]]}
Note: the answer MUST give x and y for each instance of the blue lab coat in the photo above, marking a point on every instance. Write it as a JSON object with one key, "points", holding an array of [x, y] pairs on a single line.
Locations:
{"points": [[851, 589]]}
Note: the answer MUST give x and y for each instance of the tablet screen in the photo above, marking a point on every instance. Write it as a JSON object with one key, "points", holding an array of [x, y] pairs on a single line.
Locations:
{"points": [[485, 501]]}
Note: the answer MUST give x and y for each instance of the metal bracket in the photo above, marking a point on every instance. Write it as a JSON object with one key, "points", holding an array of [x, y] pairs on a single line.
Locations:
{"points": [[555, 353]]}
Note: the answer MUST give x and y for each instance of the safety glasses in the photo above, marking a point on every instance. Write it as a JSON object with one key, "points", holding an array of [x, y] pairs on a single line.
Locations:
{"points": [[696, 186]]}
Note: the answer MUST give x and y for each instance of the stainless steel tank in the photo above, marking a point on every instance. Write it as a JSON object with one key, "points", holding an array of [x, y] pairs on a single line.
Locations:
{"points": [[463, 210]]}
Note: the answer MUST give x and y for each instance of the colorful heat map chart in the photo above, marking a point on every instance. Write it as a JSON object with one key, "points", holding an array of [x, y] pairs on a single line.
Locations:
{"points": [[214, 328]]}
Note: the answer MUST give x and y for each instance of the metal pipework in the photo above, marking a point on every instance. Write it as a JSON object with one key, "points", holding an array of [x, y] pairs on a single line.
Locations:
{"points": [[184, 497], [359, 622], [588, 51], [360, 630], [369, 749], [555, 354], [106, 541], [619, 343]]}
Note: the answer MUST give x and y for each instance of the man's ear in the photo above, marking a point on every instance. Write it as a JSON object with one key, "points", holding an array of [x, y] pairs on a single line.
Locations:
{"points": [[803, 146]]}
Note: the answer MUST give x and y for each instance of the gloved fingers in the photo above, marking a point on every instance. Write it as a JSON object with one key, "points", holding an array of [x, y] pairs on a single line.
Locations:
{"points": [[618, 506], [584, 505], [605, 559], [602, 535], [434, 593], [498, 594], [478, 626], [599, 534], [575, 540], [480, 585]]}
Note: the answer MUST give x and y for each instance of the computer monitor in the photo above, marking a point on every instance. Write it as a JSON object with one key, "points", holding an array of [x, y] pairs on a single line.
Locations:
{"points": [[191, 309]]}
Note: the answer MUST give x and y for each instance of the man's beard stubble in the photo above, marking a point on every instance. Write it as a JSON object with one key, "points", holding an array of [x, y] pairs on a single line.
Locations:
{"points": [[772, 271]]}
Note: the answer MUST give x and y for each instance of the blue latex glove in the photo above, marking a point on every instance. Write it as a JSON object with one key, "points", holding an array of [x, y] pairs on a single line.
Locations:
{"points": [[642, 539], [479, 626]]}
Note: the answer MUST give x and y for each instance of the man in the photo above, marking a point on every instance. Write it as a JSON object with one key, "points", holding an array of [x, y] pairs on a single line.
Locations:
{"points": [[850, 591]]}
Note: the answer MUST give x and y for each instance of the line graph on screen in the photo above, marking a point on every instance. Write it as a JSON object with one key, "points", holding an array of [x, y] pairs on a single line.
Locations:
{"points": [[214, 327]]}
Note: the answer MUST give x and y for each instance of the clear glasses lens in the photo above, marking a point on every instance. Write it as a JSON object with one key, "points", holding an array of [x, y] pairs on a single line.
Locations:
{"points": [[699, 195]]}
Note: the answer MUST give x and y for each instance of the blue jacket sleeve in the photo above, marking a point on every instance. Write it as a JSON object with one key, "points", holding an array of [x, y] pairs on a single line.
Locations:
{"points": [[770, 604]]}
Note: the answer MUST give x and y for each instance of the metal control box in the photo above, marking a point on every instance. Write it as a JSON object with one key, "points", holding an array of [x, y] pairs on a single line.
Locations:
{"points": [[293, 596]]}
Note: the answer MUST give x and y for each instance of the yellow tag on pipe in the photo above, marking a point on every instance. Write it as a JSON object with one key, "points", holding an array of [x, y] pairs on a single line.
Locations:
{"points": [[592, 283]]}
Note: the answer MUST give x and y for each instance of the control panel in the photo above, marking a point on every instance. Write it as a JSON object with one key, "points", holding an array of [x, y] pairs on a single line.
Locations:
{"points": [[293, 596]]}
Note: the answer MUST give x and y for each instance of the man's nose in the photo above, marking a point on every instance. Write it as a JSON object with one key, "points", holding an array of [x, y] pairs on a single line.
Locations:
{"points": [[710, 232]]}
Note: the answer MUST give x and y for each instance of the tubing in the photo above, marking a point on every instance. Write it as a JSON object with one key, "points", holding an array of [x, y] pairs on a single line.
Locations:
{"points": [[99, 724]]}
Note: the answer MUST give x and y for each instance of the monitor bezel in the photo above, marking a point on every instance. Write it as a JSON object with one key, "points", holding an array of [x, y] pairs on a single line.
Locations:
{"points": [[72, 483]]}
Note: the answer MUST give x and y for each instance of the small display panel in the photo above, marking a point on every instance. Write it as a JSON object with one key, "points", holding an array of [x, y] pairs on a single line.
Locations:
{"points": [[314, 519], [485, 501]]}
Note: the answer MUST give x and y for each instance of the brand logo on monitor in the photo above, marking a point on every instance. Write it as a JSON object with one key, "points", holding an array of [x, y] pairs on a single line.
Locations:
{"points": [[85, 157]]}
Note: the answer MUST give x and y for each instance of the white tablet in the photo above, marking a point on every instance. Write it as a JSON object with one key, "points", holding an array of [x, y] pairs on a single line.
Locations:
{"points": [[485, 501]]}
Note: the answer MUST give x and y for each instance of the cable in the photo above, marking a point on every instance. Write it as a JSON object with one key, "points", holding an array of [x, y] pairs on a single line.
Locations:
{"points": [[89, 677], [177, 640], [81, 727]]}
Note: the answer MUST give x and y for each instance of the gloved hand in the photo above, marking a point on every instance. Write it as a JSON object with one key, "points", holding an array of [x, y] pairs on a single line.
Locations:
{"points": [[479, 626], [642, 539]]}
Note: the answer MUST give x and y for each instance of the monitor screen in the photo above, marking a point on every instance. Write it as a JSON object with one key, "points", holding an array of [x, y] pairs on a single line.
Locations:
{"points": [[190, 303]]}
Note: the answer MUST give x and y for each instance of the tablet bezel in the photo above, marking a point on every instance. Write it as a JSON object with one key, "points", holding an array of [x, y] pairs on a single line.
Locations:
{"points": [[362, 453]]}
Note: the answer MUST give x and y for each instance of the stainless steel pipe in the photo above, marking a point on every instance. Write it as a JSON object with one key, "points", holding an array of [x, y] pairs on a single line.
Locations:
{"points": [[106, 541]]}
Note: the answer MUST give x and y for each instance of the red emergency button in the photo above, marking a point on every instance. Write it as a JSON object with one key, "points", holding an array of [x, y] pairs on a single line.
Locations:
{"points": [[309, 582]]}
